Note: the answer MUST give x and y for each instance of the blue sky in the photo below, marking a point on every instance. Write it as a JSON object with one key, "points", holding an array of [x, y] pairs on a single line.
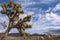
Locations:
{"points": [[45, 15]]}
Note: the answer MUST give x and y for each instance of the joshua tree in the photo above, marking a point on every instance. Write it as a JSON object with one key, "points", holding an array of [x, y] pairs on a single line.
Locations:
{"points": [[13, 10]]}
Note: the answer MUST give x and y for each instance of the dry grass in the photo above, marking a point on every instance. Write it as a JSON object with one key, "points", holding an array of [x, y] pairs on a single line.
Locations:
{"points": [[33, 37]]}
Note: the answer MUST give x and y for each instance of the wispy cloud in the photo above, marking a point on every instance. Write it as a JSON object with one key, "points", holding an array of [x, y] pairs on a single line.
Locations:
{"points": [[1, 8]]}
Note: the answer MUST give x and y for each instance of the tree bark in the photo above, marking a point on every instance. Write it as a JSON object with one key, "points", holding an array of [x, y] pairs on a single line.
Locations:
{"points": [[8, 30], [22, 32]]}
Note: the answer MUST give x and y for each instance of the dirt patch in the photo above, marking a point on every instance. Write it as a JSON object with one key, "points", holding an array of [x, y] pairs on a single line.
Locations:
{"points": [[33, 37]]}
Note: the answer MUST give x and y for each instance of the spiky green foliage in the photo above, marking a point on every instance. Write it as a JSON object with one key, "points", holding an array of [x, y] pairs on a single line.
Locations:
{"points": [[13, 10], [27, 19]]}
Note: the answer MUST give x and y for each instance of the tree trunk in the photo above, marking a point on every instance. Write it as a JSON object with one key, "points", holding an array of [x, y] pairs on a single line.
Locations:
{"points": [[5, 34], [22, 32], [8, 30]]}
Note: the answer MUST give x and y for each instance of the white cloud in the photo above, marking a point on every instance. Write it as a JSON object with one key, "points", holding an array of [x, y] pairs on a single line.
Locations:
{"points": [[31, 8], [47, 29], [57, 7], [14, 30], [39, 25], [2, 19], [42, 19], [22, 16], [49, 10], [30, 13], [25, 2], [48, 1], [52, 16], [1, 8], [33, 2], [27, 13]]}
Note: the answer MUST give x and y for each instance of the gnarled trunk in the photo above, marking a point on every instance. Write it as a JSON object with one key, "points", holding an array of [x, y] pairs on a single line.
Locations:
{"points": [[8, 30]]}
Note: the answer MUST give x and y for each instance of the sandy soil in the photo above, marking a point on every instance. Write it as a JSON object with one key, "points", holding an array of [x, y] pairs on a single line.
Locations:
{"points": [[33, 37]]}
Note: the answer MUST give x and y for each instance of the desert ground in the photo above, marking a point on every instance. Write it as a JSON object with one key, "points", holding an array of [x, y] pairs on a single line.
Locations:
{"points": [[32, 37]]}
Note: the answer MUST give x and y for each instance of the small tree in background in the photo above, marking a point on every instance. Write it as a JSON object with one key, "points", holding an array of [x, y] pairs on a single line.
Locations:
{"points": [[13, 10]]}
